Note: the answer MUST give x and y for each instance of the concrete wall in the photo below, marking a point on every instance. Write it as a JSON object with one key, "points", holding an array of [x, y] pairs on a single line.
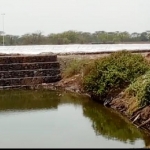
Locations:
{"points": [[27, 71]]}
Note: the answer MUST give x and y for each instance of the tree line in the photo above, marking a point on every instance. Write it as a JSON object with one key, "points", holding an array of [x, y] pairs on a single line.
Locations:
{"points": [[75, 37]]}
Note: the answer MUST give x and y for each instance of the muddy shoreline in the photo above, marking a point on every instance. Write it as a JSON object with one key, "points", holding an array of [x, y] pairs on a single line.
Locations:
{"points": [[140, 118]]}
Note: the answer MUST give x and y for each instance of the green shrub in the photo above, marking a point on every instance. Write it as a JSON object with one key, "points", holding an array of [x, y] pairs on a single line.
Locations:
{"points": [[140, 89], [113, 73]]}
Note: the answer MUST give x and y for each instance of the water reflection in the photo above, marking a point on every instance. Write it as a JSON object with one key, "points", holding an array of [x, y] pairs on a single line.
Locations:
{"points": [[27, 100], [105, 122]]}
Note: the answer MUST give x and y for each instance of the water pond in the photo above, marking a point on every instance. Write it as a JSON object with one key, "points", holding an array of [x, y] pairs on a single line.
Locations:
{"points": [[58, 119]]}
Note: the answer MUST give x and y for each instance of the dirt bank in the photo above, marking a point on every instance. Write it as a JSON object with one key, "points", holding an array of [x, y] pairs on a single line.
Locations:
{"points": [[140, 118]]}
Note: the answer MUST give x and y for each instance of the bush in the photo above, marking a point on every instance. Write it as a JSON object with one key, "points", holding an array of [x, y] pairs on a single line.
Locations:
{"points": [[140, 89], [113, 73]]}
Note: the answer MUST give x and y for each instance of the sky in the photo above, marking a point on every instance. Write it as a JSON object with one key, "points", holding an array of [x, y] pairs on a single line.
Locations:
{"points": [[57, 16]]}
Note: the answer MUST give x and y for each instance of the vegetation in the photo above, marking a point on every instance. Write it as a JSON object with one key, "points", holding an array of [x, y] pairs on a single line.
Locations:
{"points": [[75, 37], [140, 89], [106, 77], [77, 66], [120, 80], [112, 74]]}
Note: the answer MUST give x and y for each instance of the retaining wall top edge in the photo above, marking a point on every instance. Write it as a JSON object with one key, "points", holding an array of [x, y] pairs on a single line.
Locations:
{"points": [[7, 56]]}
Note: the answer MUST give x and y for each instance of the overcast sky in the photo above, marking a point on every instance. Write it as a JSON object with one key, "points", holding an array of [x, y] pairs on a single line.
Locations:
{"points": [[56, 16]]}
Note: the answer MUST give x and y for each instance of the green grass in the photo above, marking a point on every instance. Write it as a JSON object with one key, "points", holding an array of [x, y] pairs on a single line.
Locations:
{"points": [[77, 66]]}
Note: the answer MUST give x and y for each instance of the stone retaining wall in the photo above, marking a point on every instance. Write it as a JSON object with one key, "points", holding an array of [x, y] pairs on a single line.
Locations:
{"points": [[27, 71]]}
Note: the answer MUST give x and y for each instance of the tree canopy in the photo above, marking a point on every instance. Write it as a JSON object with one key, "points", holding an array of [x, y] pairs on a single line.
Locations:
{"points": [[75, 37]]}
